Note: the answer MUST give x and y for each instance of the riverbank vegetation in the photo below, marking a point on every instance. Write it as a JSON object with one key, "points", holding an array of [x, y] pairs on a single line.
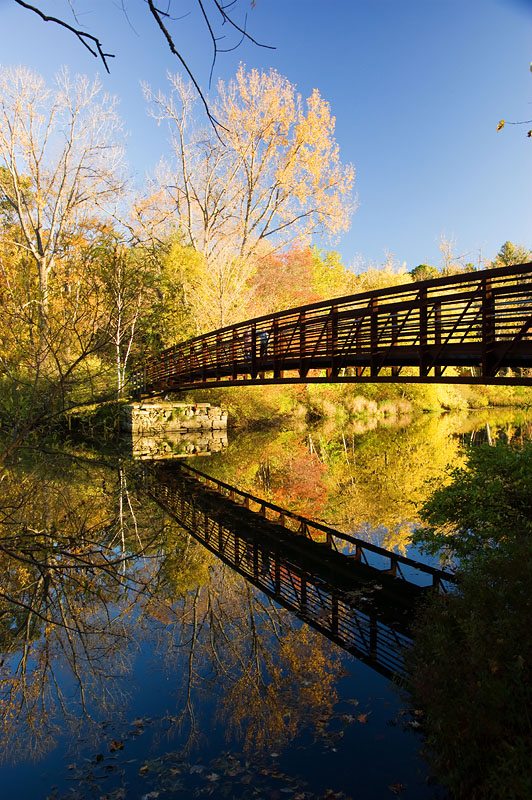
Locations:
{"points": [[471, 662]]}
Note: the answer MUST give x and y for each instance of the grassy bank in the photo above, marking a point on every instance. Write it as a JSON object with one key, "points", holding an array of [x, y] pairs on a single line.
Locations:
{"points": [[248, 406]]}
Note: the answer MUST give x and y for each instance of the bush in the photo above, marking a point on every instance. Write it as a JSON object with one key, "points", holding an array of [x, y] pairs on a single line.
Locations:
{"points": [[471, 674], [487, 502], [471, 663]]}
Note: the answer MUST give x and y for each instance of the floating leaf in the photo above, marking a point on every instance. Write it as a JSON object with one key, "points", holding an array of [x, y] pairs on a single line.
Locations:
{"points": [[500, 126], [397, 787], [115, 745], [363, 718]]}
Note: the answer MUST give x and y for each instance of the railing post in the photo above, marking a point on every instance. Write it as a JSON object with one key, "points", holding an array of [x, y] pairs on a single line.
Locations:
{"points": [[204, 359], [254, 350], [218, 355], [190, 362], [332, 342], [488, 327], [303, 369], [374, 335], [393, 567], [373, 637], [437, 337], [234, 343], [180, 362], [334, 613], [359, 322], [394, 338], [423, 339], [276, 349], [303, 596]]}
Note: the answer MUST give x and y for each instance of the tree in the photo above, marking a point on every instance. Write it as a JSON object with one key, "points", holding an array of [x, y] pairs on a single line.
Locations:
{"points": [[60, 158], [486, 502], [275, 178], [283, 280], [424, 272], [511, 254]]}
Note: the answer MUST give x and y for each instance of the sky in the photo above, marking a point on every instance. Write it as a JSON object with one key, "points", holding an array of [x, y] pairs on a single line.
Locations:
{"points": [[417, 88]]}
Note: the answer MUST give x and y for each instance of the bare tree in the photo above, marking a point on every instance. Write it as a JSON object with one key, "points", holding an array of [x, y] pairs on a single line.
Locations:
{"points": [[60, 156]]}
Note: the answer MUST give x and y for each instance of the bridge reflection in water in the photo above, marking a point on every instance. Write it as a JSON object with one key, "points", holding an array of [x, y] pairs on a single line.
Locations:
{"points": [[321, 575]]}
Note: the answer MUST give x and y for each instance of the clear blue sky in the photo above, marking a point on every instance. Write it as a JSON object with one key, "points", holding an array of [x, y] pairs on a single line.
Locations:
{"points": [[417, 88]]}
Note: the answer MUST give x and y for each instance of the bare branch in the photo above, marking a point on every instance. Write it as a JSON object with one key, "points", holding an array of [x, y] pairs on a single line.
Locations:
{"points": [[92, 43]]}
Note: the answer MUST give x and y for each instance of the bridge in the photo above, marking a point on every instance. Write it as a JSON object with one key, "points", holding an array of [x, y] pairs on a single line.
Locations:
{"points": [[478, 325], [355, 593]]}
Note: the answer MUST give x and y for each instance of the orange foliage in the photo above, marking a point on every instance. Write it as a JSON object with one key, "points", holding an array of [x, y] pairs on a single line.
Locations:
{"points": [[284, 280]]}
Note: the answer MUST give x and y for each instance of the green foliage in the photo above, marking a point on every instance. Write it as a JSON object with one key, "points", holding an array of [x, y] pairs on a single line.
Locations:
{"points": [[471, 674], [424, 272], [470, 665], [486, 503], [510, 254]]}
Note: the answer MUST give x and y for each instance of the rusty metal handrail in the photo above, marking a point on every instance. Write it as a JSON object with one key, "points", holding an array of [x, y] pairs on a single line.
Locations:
{"points": [[480, 319]]}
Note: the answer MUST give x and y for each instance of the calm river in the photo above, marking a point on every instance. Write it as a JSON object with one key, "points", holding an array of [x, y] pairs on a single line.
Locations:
{"points": [[134, 664]]}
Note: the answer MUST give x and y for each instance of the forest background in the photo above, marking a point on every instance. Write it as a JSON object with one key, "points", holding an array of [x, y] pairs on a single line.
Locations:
{"points": [[95, 276]]}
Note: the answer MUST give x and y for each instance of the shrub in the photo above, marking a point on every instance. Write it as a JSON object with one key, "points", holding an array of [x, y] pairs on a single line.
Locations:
{"points": [[471, 663]]}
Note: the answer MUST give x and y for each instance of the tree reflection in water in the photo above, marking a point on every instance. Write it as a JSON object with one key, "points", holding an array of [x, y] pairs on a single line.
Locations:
{"points": [[91, 575], [96, 582]]}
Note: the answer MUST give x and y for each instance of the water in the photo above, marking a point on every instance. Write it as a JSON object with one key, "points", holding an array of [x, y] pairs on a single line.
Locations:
{"points": [[137, 665]]}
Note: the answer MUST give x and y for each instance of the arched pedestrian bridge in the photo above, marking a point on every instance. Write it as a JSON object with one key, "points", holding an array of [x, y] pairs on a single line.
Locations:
{"points": [[468, 328]]}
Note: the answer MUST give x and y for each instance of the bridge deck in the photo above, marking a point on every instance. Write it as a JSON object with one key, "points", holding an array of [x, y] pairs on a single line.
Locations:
{"points": [[479, 322]]}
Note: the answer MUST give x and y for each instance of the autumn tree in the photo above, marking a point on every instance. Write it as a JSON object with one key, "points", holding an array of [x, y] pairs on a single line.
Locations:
{"points": [[271, 177], [511, 254], [59, 156], [60, 170]]}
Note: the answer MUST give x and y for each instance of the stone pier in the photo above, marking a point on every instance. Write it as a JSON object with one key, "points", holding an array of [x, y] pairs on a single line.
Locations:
{"points": [[154, 419]]}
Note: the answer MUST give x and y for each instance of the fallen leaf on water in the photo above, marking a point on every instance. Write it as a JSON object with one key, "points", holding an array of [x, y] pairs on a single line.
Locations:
{"points": [[363, 718], [116, 745], [397, 787]]}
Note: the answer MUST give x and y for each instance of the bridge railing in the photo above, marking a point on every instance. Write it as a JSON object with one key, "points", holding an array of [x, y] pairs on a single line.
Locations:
{"points": [[479, 320], [368, 553], [341, 615]]}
